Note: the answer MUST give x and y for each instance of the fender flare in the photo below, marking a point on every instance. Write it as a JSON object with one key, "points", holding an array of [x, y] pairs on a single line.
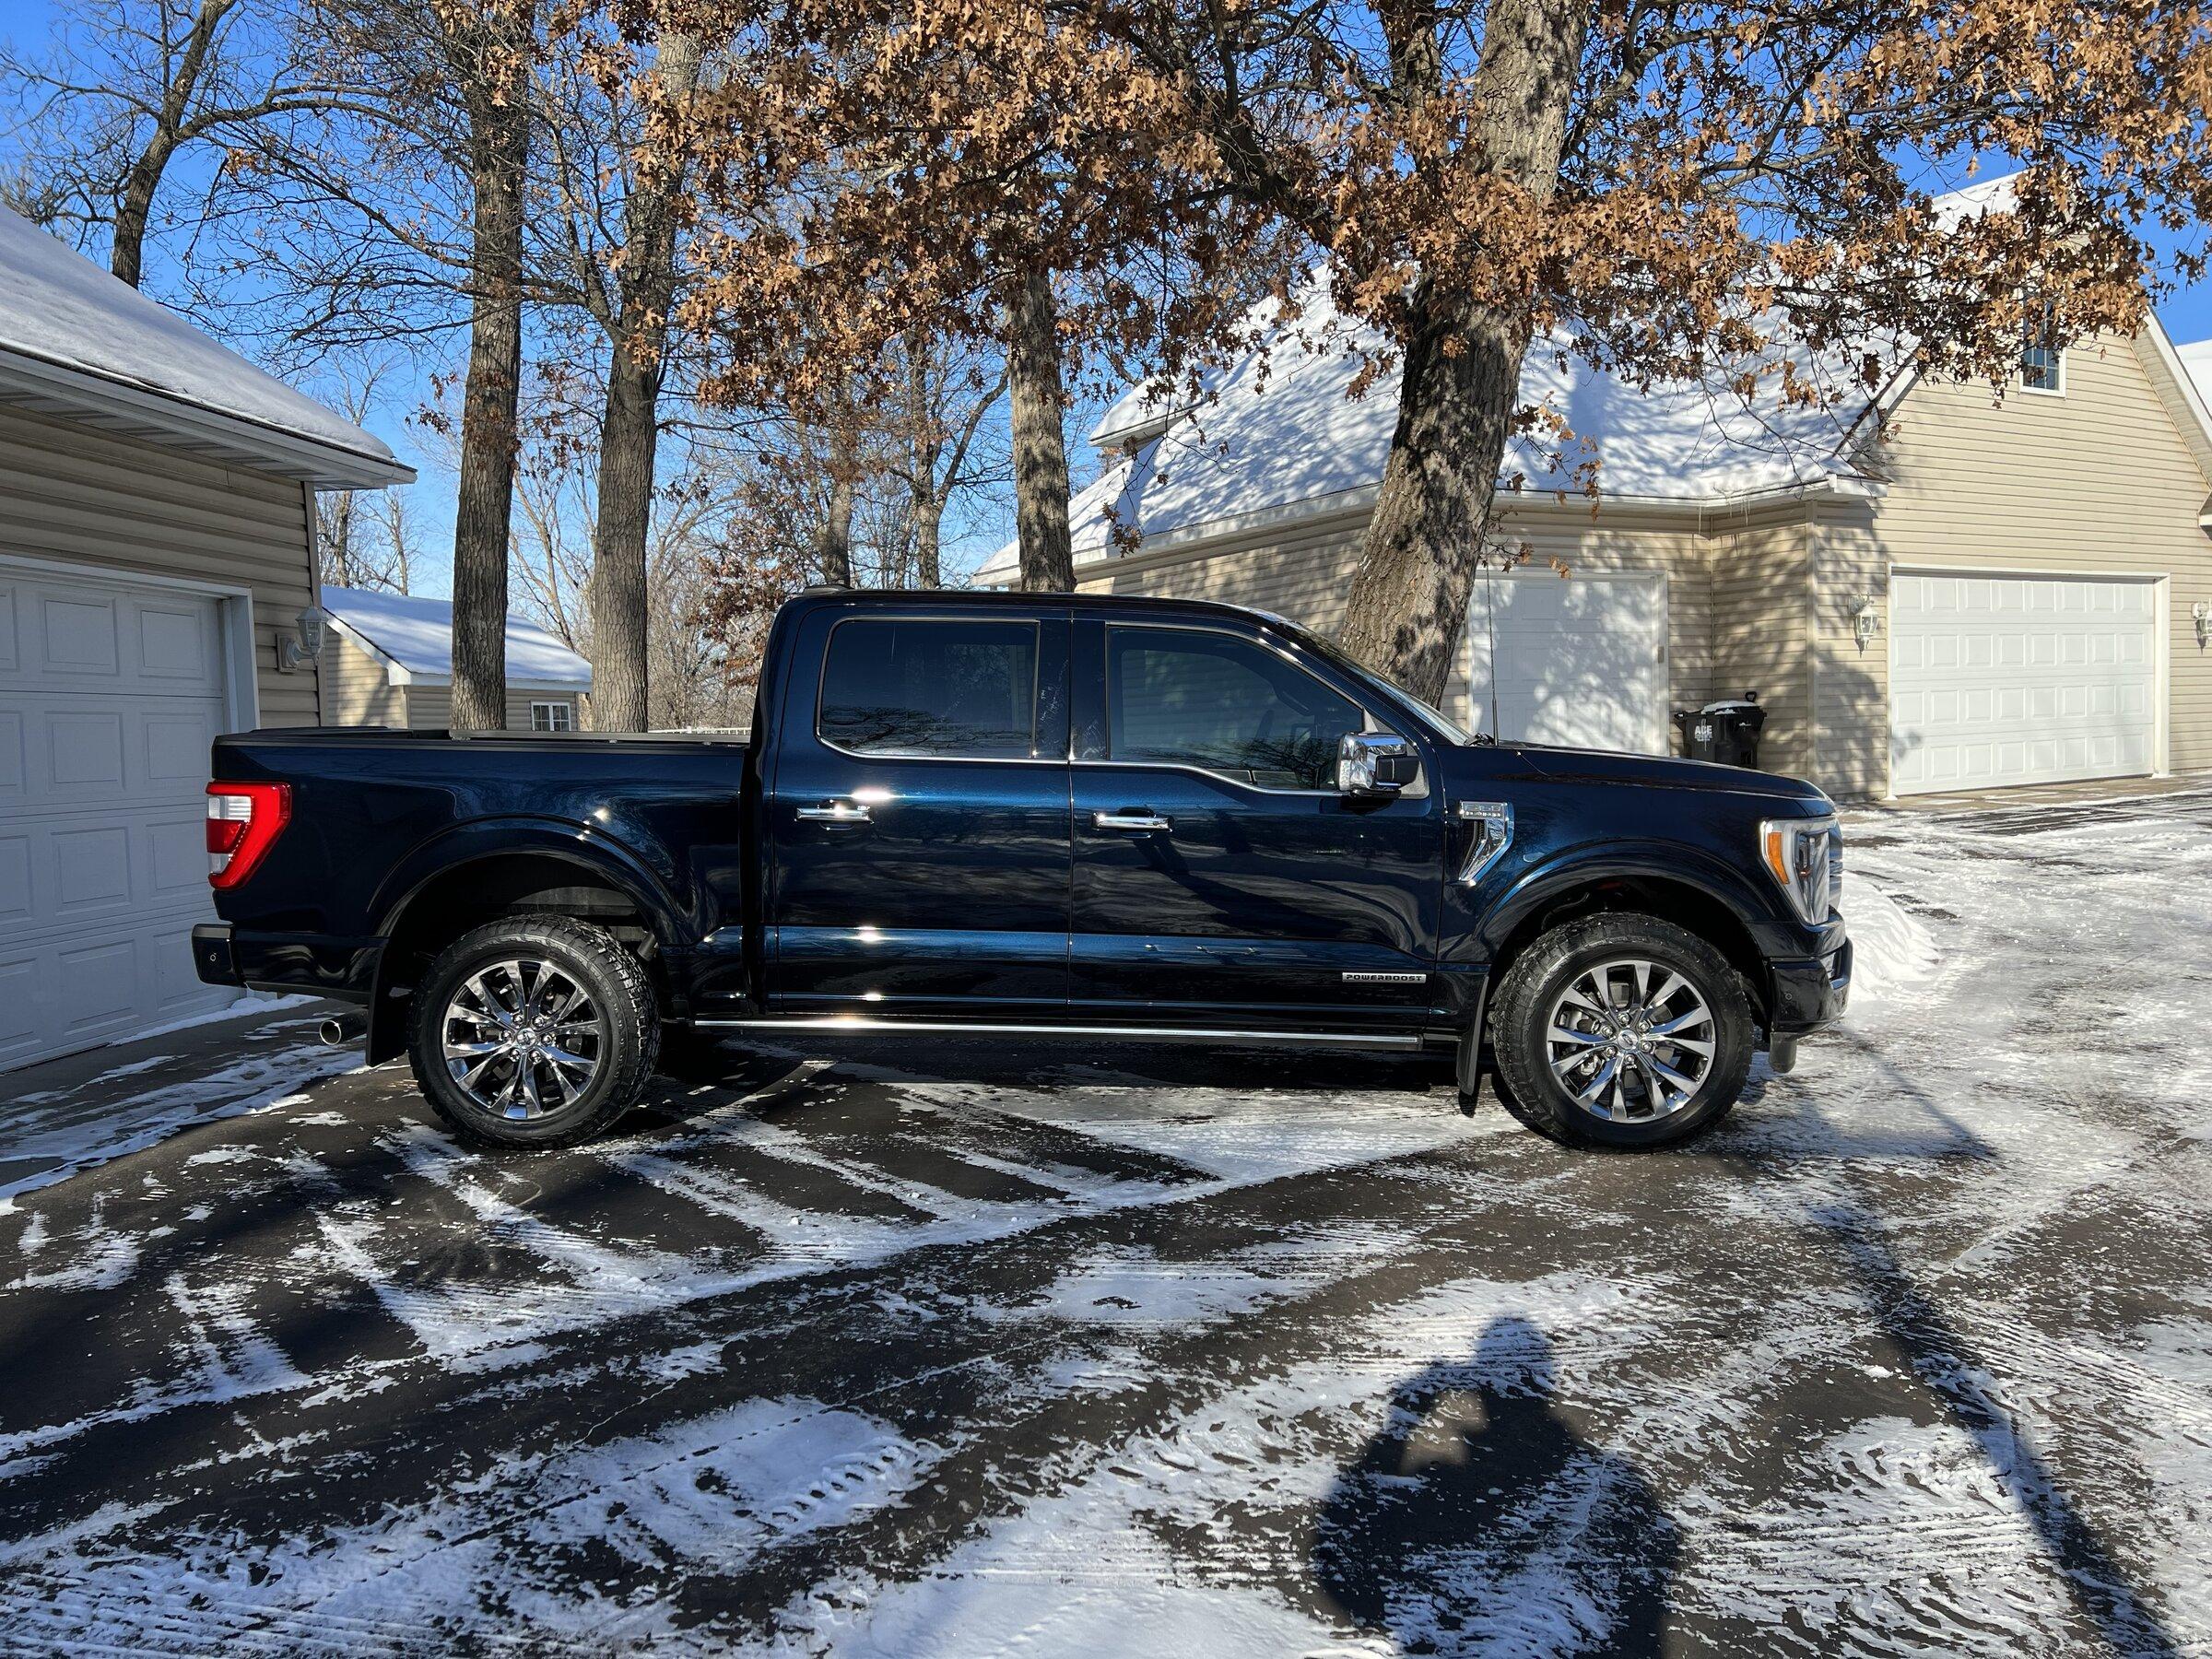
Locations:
{"points": [[594, 856], [1704, 872]]}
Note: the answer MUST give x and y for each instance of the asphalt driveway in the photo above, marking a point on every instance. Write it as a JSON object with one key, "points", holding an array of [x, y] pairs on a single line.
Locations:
{"points": [[971, 1349]]}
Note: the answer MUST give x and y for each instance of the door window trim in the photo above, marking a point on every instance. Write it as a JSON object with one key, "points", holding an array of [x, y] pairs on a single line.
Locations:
{"points": [[1033, 624], [1370, 721]]}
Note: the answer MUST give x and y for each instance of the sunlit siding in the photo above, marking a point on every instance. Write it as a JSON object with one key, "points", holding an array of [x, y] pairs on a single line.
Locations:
{"points": [[2100, 480], [1761, 638]]}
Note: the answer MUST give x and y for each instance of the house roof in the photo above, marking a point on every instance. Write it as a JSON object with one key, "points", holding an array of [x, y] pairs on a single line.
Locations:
{"points": [[81, 343], [1281, 432], [414, 636]]}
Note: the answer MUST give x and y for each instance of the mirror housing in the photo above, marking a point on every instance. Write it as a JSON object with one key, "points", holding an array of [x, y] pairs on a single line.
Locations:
{"points": [[1373, 765]]}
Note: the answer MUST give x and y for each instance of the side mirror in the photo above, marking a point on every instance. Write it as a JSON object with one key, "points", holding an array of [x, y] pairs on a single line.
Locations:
{"points": [[1375, 764]]}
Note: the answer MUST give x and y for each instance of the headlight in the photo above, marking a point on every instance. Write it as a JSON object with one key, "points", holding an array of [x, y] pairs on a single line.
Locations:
{"points": [[1806, 856]]}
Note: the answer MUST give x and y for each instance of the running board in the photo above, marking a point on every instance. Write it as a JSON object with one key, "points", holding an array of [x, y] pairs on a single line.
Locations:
{"points": [[950, 1027]]}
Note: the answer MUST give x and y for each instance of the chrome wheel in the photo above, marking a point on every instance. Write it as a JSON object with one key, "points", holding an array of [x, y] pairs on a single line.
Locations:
{"points": [[522, 1038], [1630, 1039]]}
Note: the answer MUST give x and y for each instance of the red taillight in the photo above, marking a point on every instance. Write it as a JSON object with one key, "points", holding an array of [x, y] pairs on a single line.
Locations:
{"points": [[243, 821]]}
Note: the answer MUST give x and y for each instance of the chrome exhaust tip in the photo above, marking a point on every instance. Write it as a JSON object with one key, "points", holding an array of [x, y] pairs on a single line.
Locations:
{"points": [[342, 1028]]}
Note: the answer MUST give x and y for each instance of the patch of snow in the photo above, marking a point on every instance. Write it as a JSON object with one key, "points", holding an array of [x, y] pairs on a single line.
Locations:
{"points": [[699, 1497], [68, 1139], [252, 1005]]}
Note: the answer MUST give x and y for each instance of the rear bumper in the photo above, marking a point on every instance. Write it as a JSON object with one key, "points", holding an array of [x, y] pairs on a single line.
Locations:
{"points": [[212, 957], [1805, 995], [341, 968]]}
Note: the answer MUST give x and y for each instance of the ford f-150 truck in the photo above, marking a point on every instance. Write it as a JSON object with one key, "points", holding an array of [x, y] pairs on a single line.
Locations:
{"points": [[1084, 818]]}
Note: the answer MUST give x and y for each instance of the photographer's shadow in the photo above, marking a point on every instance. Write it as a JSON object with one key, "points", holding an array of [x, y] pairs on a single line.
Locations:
{"points": [[1477, 1520]]}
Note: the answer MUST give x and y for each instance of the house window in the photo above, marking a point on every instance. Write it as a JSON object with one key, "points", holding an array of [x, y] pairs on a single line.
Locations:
{"points": [[552, 717], [2043, 360]]}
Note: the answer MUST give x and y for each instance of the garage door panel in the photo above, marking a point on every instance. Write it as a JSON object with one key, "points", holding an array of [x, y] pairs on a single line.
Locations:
{"points": [[78, 636], [2019, 680], [109, 695]]}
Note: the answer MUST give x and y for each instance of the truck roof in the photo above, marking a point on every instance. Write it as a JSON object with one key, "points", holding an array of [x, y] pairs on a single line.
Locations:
{"points": [[999, 599]]}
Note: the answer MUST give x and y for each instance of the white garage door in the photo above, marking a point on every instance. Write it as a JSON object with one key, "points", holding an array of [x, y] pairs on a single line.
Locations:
{"points": [[1580, 660], [109, 697], [1997, 680]]}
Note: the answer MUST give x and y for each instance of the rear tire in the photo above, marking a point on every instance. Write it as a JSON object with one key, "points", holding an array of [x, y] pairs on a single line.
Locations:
{"points": [[1665, 1058], [534, 1031]]}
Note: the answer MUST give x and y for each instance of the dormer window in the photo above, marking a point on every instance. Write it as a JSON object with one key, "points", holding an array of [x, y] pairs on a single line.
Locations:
{"points": [[2043, 360]]}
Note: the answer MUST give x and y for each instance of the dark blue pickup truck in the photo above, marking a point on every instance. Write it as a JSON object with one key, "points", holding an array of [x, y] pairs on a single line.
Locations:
{"points": [[1091, 819]]}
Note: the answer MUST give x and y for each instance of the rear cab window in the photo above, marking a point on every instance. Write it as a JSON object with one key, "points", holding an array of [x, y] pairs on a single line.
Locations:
{"points": [[930, 688]]}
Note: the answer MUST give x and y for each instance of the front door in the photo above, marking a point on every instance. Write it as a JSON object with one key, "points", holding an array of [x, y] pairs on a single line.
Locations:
{"points": [[1219, 876], [918, 816]]}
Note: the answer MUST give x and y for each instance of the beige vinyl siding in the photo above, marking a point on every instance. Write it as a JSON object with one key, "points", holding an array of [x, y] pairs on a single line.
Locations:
{"points": [[1304, 571], [79, 497], [433, 706], [1762, 586], [357, 686], [2099, 480]]}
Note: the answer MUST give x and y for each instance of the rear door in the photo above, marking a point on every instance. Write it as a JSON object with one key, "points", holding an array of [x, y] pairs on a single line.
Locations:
{"points": [[1219, 876], [918, 814]]}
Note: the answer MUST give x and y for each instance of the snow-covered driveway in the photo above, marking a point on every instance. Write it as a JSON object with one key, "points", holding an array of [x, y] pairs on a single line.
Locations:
{"points": [[936, 1350]]}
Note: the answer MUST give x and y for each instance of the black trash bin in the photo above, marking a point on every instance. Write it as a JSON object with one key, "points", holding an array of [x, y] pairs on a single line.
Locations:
{"points": [[1726, 731]]}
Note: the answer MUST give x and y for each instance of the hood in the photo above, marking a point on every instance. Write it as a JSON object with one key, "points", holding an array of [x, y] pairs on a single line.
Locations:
{"points": [[1661, 771]]}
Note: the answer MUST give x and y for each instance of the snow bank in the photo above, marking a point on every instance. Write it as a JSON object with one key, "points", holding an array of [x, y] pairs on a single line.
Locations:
{"points": [[1892, 951]]}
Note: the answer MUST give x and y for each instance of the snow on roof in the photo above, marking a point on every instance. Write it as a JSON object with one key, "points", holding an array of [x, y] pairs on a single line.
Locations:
{"points": [[1284, 434], [58, 308], [417, 634], [2197, 358]]}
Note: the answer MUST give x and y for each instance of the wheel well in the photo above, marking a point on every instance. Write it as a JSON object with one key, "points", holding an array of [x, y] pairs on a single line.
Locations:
{"points": [[1689, 908], [484, 890]]}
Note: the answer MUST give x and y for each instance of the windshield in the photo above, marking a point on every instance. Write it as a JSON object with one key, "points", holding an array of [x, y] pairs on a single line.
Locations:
{"points": [[1439, 724]]}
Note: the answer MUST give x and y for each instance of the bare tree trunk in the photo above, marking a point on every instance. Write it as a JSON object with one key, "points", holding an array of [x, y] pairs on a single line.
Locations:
{"points": [[833, 541], [499, 154], [1460, 382], [929, 514], [629, 435], [135, 205], [134, 210], [1048, 559]]}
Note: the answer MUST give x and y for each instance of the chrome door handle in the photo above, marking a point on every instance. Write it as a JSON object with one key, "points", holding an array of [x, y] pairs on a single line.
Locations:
{"points": [[835, 812], [1133, 821]]}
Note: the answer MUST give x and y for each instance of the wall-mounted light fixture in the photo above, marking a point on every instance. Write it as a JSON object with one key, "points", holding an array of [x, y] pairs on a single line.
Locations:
{"points": [[1865, 617], [304, 645], [2201, 614]]}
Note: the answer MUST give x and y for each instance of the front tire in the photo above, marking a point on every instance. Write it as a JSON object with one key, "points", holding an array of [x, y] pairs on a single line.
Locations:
{"points": [[1621, 1032], [534, 1031]]}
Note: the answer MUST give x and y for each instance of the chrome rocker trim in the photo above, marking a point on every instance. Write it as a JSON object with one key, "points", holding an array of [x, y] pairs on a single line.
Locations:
{"points": [[949, 1028]]}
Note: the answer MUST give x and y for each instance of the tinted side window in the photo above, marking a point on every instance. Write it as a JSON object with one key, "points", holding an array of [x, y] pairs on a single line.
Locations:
{"points": [[922, 687], [1210, 700]]}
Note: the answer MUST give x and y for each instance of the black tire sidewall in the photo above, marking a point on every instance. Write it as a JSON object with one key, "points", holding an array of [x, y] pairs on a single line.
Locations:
{"points": [[584, 953], [1539, 1098]]}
